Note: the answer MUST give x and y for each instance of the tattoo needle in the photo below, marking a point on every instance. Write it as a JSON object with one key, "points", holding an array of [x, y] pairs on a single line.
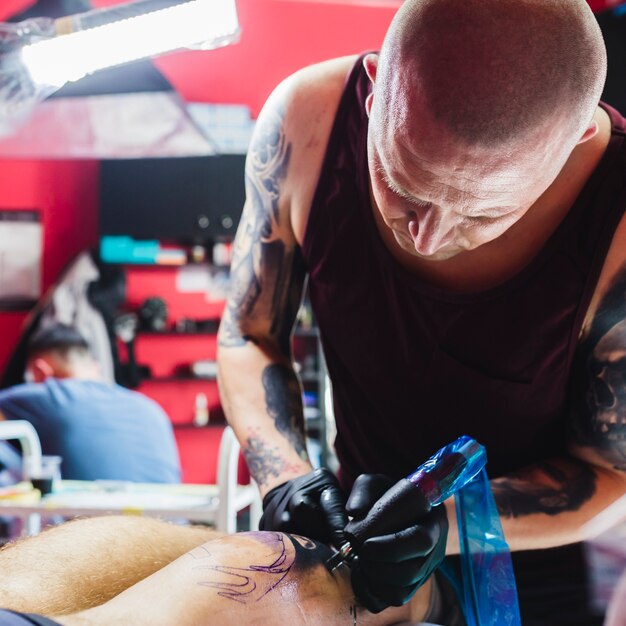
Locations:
{"points": [[447, 471]]}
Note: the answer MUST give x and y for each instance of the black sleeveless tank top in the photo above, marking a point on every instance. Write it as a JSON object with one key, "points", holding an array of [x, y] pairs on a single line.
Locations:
{"points": [[414, 366]]}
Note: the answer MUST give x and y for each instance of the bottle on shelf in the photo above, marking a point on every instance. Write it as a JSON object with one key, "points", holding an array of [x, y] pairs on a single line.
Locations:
{"points": [[201, 410]]}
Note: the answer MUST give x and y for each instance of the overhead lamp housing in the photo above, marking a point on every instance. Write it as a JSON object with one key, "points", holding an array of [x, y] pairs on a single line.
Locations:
{"points": [[40, 55], [86, 48]]}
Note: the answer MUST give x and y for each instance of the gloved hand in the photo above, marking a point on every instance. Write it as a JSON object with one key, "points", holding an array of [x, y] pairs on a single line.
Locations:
{"points": [[312, 505], [389, 568]]}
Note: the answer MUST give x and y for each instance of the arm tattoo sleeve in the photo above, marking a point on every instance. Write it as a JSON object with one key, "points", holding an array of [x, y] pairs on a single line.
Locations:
{"points": [[598, 418], [551, 487], [264, 460], [598, 402], [284, 404], [267, 276]]}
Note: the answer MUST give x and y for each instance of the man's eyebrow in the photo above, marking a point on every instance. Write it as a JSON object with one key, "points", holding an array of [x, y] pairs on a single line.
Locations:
{"points": [[397, 188], [486, 213]]}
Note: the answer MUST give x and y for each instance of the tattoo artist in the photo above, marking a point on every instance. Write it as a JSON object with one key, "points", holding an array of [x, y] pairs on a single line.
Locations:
{"points": [[456, 201]]}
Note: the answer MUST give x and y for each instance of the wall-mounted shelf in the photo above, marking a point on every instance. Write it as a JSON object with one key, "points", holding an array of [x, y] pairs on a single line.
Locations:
{"points": [[178, 379]]}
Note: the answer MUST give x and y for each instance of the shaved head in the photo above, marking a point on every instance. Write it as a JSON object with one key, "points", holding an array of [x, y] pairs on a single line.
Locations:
{"points": [[492, 72]]}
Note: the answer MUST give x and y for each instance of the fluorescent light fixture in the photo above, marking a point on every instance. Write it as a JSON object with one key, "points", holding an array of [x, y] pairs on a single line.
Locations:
{"points": [[199, 23]]}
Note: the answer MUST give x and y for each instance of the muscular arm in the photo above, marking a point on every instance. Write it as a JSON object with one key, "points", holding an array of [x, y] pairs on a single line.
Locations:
{"points": [[547, 504], [259, 388]]}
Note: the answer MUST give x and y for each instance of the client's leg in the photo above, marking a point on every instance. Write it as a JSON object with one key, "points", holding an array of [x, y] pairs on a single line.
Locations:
{"points": [[249, 578], [84, 563]]}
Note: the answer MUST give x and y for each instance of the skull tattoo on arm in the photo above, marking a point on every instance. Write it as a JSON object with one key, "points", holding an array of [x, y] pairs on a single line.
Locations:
{"points": [[599, 389]]}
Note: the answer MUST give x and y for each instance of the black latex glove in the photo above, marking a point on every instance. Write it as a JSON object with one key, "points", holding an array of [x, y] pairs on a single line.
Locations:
{"points": [[312, 505], [389, 568]]}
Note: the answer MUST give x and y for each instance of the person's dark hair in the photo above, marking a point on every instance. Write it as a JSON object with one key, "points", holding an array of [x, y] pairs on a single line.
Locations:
{"points": [[57, 338], [492, 71]]}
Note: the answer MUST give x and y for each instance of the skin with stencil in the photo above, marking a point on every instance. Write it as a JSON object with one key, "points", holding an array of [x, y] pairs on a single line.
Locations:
{"points": [[115, 571]]}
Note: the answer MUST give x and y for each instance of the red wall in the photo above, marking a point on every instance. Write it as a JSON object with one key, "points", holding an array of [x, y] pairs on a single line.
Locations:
{"points": [[278, 37], [65, 194]]}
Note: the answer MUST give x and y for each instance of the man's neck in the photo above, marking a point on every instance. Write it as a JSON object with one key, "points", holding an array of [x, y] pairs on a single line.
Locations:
{"points": [[79, 375]]}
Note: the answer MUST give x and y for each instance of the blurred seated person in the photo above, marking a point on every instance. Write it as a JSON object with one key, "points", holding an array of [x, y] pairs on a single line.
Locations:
{"points": [[101, 430], [138, 571]]}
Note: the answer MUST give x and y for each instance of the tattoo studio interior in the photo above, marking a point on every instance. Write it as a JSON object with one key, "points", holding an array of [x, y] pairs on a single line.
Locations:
{"points": [[313, 312]]}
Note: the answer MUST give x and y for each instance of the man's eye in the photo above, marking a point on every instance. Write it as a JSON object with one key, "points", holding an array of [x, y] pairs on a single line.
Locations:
{"points": [[411, 200], [481, 219], [420, 203]]}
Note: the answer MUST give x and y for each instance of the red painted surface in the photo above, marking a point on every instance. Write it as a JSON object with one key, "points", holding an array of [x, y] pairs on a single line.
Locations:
{"points": [[65, 193], [198, 449], [178, 399], [170, 355], [12, 323], [278, 38], [145, 281], [603, 5]]}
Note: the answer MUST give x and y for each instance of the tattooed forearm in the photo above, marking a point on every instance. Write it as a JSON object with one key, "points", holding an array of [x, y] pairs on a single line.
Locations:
{"points": [[551, 487], [264, 461], [244, 292], [283, 398], [599, 389], [287, 296], [266, 274]]}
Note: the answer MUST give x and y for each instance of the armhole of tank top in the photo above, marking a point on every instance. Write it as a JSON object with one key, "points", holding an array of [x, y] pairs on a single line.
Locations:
{"points": [[600, 253], [331, 149]]}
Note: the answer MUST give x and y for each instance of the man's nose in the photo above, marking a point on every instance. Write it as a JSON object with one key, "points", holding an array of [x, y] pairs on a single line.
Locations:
{"points": [[434, 230]]}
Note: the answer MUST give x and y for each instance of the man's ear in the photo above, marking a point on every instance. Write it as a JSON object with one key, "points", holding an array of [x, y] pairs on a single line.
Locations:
{"points": [[370, 63], [591, 132], [41, 369]]}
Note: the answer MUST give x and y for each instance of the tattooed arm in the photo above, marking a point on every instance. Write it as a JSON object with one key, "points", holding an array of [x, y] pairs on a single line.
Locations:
{"points": [[259, 388], [547, 504]]}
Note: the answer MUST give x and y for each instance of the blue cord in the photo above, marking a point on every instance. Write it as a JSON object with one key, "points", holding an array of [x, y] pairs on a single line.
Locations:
{"points": [[488, 581]]}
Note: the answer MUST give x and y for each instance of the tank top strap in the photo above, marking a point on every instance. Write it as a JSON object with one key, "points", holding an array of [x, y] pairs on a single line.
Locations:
{"points": [[341, 166]]}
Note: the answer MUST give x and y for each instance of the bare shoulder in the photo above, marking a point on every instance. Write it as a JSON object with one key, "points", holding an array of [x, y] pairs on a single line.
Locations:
{"points": [[309, 98]]}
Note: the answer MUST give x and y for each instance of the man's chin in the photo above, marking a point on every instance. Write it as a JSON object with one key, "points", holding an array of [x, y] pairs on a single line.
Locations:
{"points": [[440, 255]]}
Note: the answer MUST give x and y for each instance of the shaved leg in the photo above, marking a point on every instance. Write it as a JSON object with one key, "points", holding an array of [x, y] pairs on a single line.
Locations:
{"points": [[249, 578]]}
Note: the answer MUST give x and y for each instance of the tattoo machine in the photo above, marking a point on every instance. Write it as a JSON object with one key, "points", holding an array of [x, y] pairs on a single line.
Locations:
{"points": [[447, 471]]}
